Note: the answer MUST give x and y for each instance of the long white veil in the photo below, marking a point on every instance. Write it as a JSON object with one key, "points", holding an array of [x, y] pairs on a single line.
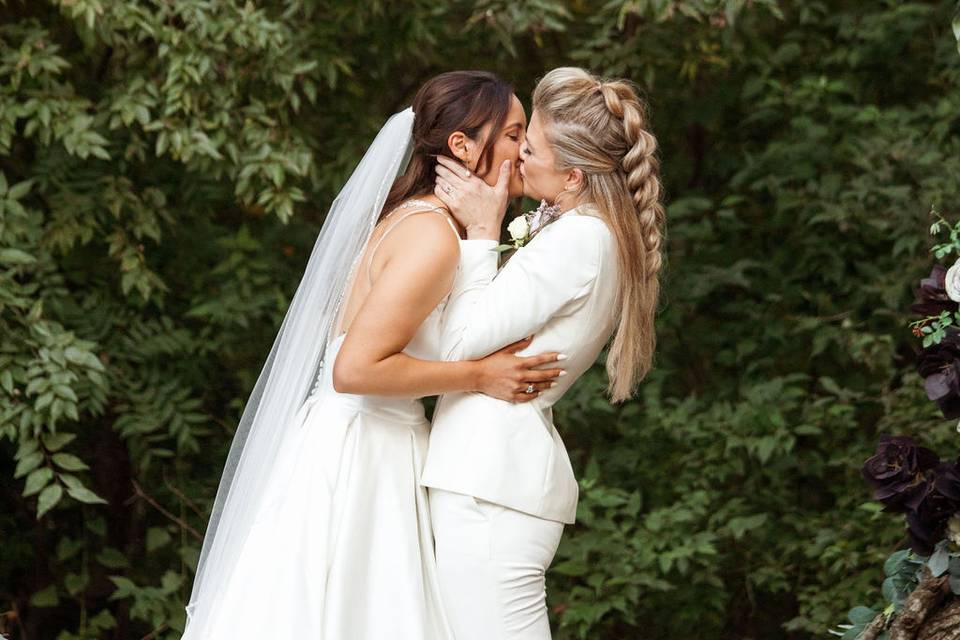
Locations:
{"points": [[293, 363]]}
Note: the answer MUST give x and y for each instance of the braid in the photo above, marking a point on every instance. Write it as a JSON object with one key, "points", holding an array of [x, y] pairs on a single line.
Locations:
{"points": [[642, 168], [600, 127]]}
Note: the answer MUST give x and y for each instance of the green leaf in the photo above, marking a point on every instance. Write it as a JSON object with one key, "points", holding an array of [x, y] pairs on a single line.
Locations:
{"points": [[49, 497], [741, 525], [69, 462], [939, 561], [16, 256], [157, 537], [76, 582], [82, 494], [861, 615], [46, 597], [27, 464], [56, 441], [37, 480], [112, 558], [125, 587], [19, 190], [893, 563]]}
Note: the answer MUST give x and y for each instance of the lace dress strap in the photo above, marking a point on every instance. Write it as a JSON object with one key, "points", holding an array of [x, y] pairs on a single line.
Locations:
{"points": [[422, 207]]}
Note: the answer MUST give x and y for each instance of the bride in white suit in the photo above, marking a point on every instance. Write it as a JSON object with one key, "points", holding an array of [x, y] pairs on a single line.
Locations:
{"points": [[320, 528], [501, 484]]}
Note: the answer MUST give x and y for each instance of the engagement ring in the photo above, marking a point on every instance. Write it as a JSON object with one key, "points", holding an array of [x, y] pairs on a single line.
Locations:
{"points": [[448, 189], [530, 389]]}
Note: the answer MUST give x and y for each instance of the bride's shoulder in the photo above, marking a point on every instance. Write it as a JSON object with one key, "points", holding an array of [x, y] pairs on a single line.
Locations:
{"points": [[420, 225]]}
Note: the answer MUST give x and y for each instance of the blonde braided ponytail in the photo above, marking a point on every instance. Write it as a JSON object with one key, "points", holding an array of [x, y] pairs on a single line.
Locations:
{"points": [[600, 127]]}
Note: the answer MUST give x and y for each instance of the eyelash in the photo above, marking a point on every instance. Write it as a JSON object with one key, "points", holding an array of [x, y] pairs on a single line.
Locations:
{"points": [[514, 137]]}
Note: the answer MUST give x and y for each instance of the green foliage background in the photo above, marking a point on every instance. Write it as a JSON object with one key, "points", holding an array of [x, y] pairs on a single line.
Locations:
{"points": [[164, 169]]}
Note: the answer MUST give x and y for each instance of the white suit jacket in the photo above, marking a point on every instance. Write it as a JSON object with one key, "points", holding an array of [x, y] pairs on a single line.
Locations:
{"points": [[560, 288]]}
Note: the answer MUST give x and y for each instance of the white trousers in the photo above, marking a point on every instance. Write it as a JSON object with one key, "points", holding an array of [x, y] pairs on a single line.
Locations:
{"points": [[491, 563]]}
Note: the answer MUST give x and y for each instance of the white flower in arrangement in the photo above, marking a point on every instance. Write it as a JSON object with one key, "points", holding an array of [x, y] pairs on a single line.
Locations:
{"points": [[953, 529], [519, 229], [952, 282]]}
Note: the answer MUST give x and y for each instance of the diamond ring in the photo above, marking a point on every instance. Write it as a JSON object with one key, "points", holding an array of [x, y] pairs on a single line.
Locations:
{"points": [[448, 189], [530, 389]]}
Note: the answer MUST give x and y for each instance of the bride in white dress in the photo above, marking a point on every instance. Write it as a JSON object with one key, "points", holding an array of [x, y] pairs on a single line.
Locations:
{"points": [[320, 529]]}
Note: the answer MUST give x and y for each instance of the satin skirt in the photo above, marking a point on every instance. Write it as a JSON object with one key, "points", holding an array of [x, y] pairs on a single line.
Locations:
{"points": [[342, 549]]}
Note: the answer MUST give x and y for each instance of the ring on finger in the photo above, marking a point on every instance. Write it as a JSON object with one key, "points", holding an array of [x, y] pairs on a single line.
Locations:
{"points": [[530, 388], [447, 189]]}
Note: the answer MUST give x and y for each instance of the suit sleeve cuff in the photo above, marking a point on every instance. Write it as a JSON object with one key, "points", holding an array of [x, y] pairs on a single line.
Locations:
{"points": [[479, 256], [478, 263]]}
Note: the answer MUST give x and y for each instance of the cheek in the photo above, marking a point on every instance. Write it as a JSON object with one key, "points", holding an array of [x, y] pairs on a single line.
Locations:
{"points": [[504, 150]]}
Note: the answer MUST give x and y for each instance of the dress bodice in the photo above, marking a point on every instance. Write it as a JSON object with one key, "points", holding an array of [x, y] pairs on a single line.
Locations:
{"points": [[424, 345]]}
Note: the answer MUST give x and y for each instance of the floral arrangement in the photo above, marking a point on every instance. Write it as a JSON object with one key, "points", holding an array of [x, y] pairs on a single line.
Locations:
{"points": [[922, 581], [911, 479]]}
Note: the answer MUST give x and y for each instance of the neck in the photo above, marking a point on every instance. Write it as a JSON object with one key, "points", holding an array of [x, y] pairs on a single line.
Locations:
{"points": [[429, 197], [566, 204]]}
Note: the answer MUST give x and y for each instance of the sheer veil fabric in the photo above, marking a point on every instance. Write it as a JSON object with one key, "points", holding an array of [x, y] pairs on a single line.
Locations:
{"points": [[294, 360]]}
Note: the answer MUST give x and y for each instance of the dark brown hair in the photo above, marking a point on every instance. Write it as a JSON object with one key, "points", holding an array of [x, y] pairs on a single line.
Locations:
{"points": [[464, 101]]}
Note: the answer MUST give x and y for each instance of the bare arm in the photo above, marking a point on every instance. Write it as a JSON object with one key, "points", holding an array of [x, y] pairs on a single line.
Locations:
{"points": [[417, 264]]}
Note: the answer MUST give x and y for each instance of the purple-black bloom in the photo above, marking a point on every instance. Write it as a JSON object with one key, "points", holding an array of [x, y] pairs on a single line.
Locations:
{"points": [[897, 472], [940, 499], [939, 366], [932, 297]]}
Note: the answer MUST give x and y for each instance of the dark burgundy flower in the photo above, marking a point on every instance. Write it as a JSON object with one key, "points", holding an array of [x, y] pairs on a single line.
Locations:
{"points": [[940, 499], [947, 481], [932, 294], [897, 472], [939, 366]]}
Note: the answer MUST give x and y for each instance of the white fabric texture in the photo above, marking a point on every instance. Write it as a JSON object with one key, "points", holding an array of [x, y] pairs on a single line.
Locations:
{"points": [[292, 364], [343, 547], [560, 288], [491, 562]]}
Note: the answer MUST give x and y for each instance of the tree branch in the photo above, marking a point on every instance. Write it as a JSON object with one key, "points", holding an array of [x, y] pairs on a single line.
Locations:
{"points": [[156, 505], [928, 595]]}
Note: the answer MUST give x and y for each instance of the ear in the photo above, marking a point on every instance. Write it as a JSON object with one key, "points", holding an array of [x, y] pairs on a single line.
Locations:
{"points": [[574, 180], [460, 146]]}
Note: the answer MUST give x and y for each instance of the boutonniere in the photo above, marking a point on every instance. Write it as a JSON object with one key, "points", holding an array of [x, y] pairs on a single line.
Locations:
{"points": [[525, 226]]}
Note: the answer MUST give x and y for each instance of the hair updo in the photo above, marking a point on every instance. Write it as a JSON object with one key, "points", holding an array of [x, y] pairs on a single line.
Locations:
{"points": [[600, 127], [464, 101]]}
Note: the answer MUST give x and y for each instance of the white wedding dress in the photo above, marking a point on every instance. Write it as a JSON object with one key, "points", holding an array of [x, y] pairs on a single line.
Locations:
{"points": [[342, 548]]}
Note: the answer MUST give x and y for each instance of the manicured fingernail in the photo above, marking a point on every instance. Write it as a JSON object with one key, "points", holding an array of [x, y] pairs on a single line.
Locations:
{"points": [[562, 373], [553, 384], [562, 356]]}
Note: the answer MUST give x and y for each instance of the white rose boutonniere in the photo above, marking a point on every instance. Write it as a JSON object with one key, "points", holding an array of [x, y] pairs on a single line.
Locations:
{"points": [[519, 230], [952, 282], [525, 226]]}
